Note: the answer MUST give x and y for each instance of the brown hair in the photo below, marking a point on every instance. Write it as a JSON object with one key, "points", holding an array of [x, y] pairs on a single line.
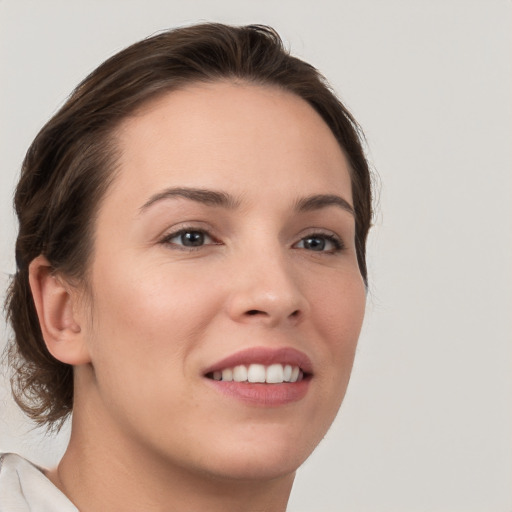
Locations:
{"points": [[71, 163]]}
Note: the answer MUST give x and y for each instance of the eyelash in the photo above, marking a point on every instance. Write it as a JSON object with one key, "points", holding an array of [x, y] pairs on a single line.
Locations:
{"points": [[167, 239], [337, 243]]}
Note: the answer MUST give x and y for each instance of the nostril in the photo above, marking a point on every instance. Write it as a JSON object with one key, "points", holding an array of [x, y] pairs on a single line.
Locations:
{"points": [[253, 312]]}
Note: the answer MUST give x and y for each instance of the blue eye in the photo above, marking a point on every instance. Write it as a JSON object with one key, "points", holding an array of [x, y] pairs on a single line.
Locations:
{"points": [[189, 238], [320, 243]]}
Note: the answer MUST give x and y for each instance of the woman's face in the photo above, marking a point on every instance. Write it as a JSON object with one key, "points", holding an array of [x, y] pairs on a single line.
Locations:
{"points": [[226, 240]]}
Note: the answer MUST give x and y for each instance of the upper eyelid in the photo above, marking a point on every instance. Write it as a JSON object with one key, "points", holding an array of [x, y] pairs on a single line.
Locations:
{"points": [[321, 232], [187, 226]]}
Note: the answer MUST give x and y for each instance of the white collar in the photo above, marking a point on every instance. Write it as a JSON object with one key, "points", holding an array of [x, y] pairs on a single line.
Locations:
{"points": [[25, 488]]}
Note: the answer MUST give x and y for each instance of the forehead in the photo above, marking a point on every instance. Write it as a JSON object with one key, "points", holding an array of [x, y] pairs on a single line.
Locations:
{"points": [[237, 136]]}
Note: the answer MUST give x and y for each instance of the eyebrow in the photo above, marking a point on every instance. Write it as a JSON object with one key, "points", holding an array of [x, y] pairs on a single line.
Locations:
{"points": [[225, 200], [319, 201], [200, 195]]}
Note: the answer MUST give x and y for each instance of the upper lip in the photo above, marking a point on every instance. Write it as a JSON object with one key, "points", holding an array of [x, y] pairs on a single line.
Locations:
{"points": [[265, 356]]}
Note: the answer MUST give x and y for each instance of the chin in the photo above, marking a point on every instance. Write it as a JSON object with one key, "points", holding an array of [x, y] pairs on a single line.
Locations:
{"points": [[269, 453], [262, 467]]}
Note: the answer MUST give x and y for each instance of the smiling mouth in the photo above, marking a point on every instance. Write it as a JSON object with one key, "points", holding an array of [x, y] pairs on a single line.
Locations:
{"points": [[262, 377], [258, 373]]}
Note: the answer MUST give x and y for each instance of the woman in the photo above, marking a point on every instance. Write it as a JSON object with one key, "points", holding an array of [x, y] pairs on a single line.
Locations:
{"points": [[191, 276]]}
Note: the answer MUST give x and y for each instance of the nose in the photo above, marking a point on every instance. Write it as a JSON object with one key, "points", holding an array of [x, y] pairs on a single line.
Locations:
{"points": [[266, 290]]}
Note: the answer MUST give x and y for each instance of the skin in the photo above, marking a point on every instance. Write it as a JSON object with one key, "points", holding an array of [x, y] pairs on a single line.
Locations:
{"points": [[148, 431]]}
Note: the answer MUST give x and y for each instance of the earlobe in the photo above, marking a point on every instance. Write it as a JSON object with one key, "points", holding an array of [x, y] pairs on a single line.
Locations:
{"points": [[54, 302]]}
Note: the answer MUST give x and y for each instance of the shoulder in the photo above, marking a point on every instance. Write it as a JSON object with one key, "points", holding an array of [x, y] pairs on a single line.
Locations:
{"points": [[24, 487]]}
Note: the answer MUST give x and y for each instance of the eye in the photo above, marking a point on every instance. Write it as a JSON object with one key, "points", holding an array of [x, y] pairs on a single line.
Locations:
{"points": [[320, 242], [189, 238]]}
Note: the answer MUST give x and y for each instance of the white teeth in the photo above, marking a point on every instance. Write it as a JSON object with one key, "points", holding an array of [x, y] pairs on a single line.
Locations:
{"points": [[273, 374], [256, 373], [227, 375], [240, 373]]}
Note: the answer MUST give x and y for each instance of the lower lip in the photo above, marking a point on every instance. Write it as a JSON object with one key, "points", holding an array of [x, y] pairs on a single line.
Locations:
{"points": [[263, 395]]}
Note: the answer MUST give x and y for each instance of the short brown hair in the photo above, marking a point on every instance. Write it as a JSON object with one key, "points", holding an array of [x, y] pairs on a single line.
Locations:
{"points": [[71, 163]]}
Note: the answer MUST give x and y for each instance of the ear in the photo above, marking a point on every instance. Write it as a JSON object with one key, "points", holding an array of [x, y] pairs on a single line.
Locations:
{"points": [[56, 306]]}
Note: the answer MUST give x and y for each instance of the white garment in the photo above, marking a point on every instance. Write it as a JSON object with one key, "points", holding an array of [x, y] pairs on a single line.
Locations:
{"points": [[25, 488]]}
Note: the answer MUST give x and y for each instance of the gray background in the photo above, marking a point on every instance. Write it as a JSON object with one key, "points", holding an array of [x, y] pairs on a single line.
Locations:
{"points": [[427, 422]]}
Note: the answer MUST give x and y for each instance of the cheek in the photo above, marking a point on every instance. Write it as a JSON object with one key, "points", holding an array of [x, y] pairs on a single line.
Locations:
{"points": [[150, 317], [338, 310], [342, 295]]}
